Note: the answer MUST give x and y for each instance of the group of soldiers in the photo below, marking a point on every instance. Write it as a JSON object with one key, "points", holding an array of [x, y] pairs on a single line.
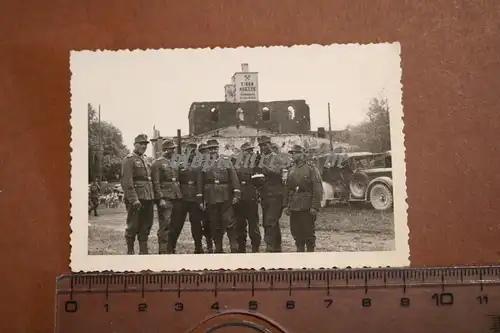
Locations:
{"points": [[221, 195]]}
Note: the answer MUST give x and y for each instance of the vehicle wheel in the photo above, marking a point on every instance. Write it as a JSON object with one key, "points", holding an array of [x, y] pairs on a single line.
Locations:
{"points": [[325, 203], [381, 197], [358, 184]]}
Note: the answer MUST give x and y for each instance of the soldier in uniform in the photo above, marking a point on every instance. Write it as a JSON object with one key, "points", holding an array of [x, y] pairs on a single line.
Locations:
{"points": [[271, 165], [221, 190], [188, 175], [139, 195], [275, 148], [203, 152], [247, 210], [165, 178], [303, 194], [95, 191]]}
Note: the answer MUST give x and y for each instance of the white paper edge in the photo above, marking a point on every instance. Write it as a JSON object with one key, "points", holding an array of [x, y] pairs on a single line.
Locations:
{"points": [[80, 260]]}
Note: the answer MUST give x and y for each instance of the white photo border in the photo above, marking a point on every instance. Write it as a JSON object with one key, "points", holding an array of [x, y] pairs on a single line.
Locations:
{"points": [[80, 260]]}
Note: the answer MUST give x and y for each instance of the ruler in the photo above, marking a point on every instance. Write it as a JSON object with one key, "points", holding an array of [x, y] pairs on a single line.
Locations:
{"points": [[461, 299]]}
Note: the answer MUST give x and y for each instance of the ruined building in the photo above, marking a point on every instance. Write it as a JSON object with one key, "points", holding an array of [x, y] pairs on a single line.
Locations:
{"points": [[242, 117], [279, 117]]}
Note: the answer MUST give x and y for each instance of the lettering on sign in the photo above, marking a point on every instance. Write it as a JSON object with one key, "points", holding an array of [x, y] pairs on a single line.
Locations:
{"points": [[247, 87]]}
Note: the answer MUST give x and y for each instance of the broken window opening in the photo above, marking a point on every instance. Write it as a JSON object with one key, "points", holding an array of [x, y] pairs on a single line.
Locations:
{"points": [[291, 112], [240, 115], [214, 114], [266, 114]]}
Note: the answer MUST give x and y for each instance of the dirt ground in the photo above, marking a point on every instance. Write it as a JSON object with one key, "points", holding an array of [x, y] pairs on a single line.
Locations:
{"points": [[339, 228]]}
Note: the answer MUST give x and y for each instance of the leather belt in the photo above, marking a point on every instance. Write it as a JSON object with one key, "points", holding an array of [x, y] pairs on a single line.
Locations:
{"points": [[171, 180], [217, 182]]}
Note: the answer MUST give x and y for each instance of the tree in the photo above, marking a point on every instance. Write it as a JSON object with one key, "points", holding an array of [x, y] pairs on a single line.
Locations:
{"points": [[374, 134], [113, 148]]}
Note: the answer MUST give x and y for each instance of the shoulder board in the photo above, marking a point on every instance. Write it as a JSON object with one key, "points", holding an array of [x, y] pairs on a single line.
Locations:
{"points": [[129, 155]]}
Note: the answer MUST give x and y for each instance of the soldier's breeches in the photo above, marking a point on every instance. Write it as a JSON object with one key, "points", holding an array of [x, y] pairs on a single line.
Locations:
{"points": [[272, 208], [177, 221], [139, 221], [164, 222], [206, 231], [247, 214], [303, 230], [95, 202], [195, 218], [221, 219]]}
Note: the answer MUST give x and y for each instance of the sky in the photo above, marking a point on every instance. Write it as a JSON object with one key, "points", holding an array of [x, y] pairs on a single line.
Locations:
{"points": [[141, 89]]}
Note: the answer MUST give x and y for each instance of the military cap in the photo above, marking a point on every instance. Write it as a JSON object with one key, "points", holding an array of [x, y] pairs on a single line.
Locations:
{"points": [[263, 139], [168, 144], [296, 149], [246, 146], [212, 143], [191, 144], [141, 138], [202, 147]]}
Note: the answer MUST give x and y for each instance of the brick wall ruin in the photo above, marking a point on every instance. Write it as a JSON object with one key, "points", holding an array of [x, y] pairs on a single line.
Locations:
{"points": [[282, 117]]}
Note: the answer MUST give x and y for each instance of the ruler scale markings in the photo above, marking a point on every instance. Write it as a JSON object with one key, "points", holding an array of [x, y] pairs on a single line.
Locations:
{"points": [[107, 289], [253, 285], [404, 283], [290, 286], [142, 287], [366, 284], [327, 284], [301, 288], [179, 288]]}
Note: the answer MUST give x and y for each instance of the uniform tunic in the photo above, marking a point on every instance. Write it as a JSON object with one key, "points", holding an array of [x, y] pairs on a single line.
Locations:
{"points": [[165, 178], [95, 190], [137, 186], [271, 194], [219, 183], [247, 210], [303, 192], [188, 175]]}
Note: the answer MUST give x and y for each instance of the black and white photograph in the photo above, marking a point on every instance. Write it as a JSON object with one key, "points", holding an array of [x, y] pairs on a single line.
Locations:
{"points": [[238, 158]]}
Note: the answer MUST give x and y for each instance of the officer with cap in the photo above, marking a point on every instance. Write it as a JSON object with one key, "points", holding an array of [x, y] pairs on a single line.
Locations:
{"points": [[247, 210], [271, 165], [303, 195], [203, 153], [221, 190], [188, 175], [165, 178], [138, 196]]}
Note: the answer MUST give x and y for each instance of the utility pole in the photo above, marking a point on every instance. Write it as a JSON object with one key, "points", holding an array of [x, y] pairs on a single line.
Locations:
{"points": [[330, 128], [179, 142], [92, 153], [100, 146]]}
